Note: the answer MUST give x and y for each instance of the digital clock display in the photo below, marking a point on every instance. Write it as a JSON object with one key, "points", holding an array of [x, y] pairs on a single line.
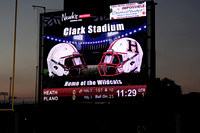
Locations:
{"points": [[128, 93]]}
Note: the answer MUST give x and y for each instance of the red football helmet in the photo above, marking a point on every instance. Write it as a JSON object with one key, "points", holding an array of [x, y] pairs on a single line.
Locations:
{"points": [[123, 56]]}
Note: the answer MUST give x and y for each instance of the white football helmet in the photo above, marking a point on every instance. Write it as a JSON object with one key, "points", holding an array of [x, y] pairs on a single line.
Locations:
{"points": [[64, 60], [123, 56]]}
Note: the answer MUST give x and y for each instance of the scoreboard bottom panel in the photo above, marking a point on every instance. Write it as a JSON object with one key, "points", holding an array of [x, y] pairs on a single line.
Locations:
{"points": [[89, 93]]}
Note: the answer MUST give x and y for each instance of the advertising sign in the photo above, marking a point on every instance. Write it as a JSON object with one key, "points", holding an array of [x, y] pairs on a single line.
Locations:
{"points": [[89, 56], [130, 10]]}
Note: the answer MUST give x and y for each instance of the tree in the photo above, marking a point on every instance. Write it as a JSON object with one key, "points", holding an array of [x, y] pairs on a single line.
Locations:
{"points": [[165, 91]]}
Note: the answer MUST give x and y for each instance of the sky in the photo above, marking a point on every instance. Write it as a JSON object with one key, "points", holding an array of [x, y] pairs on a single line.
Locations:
{"points": [[177, 44]]}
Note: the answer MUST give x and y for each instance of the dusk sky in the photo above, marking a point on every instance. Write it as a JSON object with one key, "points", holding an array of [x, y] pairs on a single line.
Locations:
{"points": [[177, 44]]}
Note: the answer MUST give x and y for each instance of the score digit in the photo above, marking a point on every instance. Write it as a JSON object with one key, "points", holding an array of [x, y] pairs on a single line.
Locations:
{"points": [[132, 93], [120, 93]]}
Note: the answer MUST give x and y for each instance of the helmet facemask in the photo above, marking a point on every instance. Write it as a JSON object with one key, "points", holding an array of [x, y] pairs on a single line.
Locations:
{"points": [[111, 63], [75, 64]]}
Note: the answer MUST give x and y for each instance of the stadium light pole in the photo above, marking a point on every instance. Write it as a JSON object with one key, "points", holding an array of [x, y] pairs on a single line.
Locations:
{"points": [[10, 89], [14, 53], [35, 6], [36, 82]]}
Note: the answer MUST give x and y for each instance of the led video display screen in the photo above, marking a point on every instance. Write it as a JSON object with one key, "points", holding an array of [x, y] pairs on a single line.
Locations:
{"points": [[94, 56]]}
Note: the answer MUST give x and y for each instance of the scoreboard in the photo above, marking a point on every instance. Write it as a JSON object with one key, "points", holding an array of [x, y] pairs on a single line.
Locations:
{"points": [[91, 56]]}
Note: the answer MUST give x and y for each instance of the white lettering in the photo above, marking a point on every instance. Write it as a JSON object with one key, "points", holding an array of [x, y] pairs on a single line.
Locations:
{"points": [[50, 98], [75, 83], [89, 82], [68, 31], [53, 92], [65, 17], [90, 29], [105, 28], [97, 96], [109, 82], [73, 31], [141, 90]]}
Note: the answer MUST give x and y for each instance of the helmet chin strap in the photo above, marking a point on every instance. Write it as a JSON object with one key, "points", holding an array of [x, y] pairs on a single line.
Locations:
{"points": [[120, 70], [57, 63], [54, 61], [123, 62], [133, 71], [65, 72], [129, 59]]}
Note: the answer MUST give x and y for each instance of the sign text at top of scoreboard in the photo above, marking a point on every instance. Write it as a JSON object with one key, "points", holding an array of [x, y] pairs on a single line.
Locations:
{"points": [[93, 29]]}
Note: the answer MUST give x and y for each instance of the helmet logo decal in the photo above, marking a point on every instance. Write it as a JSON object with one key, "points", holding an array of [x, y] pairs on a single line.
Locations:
{"points": [[131, 44]]}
